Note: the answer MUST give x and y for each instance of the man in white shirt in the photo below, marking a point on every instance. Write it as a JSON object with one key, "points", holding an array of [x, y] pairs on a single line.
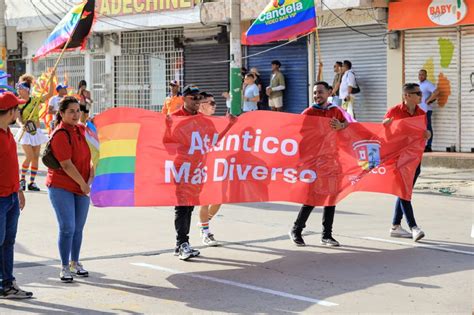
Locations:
{"points": [[348, 82], [429, 95], [251, 93], [53, 108], [276, 88]]}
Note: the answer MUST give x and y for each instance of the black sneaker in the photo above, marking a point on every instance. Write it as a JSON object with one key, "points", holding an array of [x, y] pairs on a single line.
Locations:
{"points": [[329, 241], [428, 149], [14, 292], [295, 237], [33, 187], [22, 185]]}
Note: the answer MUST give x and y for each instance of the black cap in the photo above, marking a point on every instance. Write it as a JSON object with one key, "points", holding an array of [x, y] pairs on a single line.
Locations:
{"points": [[190, 89], [206, 95]]}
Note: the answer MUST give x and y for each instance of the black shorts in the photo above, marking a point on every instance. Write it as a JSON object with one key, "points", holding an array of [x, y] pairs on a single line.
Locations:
{"points": [[84, 109]]}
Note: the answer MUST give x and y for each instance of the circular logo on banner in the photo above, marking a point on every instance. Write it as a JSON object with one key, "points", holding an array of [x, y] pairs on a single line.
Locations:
{"points": [[278, 3], [447, 12]]}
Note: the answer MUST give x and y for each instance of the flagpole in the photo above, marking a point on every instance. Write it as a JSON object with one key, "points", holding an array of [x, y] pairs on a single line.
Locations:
{"points": [[49, 80], [318, 47]]}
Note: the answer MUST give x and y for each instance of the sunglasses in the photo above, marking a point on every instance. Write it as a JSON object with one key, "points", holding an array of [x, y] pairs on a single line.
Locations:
{"points": [[195, 97], [416, 93]]}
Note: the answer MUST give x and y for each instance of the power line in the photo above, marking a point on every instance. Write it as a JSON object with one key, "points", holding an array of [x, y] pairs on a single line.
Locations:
{"points": [[41, 15], [351, 27], [49, 9]]}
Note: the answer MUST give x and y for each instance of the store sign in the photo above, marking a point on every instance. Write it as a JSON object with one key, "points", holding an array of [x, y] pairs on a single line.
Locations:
{"points": [[127, 7], [447, 12]]}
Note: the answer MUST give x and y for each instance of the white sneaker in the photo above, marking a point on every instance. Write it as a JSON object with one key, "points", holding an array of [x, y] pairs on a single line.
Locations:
{"points": [[78, 269], [209, 240], [398, 231], [417, 233], [65, 274]]}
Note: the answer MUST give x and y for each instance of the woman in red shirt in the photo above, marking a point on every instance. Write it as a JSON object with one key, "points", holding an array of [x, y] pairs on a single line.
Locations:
{"points": [[69, 186]]}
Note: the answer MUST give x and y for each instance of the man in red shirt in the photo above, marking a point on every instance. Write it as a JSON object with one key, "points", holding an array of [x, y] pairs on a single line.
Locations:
{"points": [[182, 220], [321, 108], [11, 197], [409, 108]]}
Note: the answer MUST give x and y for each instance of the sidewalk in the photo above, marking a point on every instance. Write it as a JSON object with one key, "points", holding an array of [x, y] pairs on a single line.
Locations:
{"points": [[449, 160]]}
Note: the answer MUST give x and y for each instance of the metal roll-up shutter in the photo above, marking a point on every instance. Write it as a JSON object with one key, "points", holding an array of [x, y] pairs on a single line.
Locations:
{"points": [[467, 89], [294, 60], [436, 50], [205, 65], [368, 55], [70, 69]]}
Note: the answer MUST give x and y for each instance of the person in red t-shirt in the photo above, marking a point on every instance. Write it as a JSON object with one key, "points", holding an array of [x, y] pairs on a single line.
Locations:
{"points": [[12, 199], [409, 108], [69, 186], [321, 108]]}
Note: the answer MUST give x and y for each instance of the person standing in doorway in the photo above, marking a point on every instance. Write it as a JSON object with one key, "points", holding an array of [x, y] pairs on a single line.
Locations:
{"points": [[429, 95], [409, 108], [174, 101], [251, 94], [258, 82], [336, 83], [276, 88], [12, 199], [348, 83]]}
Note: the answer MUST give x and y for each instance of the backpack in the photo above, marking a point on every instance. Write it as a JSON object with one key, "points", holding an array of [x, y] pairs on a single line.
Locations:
{"points": [[356, 89], [48, 158]]}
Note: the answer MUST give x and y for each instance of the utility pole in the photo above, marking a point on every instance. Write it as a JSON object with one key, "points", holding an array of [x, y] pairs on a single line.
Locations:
{"points": [[3, 37], [236, 58]]}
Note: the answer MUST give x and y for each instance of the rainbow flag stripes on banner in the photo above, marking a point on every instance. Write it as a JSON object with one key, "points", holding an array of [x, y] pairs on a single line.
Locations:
{"points": [[115, 173], [282, 20]]}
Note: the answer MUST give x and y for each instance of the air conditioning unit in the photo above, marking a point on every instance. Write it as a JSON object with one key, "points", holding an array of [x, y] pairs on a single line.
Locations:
{"points": [[95, 42]]}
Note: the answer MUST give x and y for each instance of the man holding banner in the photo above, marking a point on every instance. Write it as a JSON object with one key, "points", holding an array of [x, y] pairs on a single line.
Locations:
{"points": [[321, 108]]}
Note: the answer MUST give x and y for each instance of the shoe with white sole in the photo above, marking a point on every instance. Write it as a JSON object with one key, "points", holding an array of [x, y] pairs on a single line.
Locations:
{"points": [[65, 275], [417, 233], [209, 240], [398, 231], [78, 269]]}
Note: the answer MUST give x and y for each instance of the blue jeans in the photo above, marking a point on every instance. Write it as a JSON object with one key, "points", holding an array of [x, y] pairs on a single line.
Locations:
{"points": [[9, 214], [429, 127], [404, 207], [71, 213]]}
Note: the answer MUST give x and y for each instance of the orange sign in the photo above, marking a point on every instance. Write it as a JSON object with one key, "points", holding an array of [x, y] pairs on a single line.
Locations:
{"points": [[409, 14], [127, 7]]}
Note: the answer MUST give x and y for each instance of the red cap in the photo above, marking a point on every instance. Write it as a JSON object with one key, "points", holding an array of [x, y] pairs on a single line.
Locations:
{"points": [[9, 100]]}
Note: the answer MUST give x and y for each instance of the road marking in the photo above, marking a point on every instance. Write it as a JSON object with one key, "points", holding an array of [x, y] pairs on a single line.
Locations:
{"points": [[443, 249], [238, 284]]}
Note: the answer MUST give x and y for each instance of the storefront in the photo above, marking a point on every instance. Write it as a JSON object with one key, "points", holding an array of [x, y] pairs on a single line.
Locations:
{"points": [[366, 48], [438, 36], [294, 60]]}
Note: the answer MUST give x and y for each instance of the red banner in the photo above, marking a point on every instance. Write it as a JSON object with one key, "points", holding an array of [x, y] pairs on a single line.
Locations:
{"points": [[149, 160]]}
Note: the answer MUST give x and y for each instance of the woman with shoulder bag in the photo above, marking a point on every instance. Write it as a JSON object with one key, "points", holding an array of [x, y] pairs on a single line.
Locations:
{"points": [[69, 185], [33, 136]]}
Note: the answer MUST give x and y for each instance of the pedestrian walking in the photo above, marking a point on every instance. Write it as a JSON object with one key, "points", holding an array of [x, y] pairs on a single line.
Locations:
{"points": [[429, 95], [409, 108], [207, 212], [321, 108], [32, 136], [347, 88], [12, 199], [53, 104], [69, 185], [183, 214], [276, 88], [251, 94], [174, 101], [85, 100]]}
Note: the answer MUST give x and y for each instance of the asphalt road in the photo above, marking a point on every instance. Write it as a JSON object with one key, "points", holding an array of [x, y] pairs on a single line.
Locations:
{"points": [[257, 269]]}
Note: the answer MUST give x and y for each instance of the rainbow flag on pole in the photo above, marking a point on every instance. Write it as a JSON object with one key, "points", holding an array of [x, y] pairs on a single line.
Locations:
{"points": [[76, 25], [282, 20]]}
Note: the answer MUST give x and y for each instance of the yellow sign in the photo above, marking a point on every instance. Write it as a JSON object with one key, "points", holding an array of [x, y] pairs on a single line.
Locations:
{"points": [[127, 7]]}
